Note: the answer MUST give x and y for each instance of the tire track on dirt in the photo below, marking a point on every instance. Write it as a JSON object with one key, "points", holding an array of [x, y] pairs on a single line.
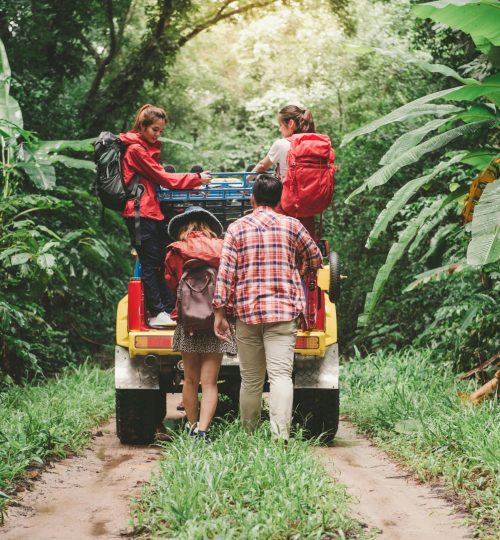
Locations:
{"points": [[85, 496], [385, 495]]}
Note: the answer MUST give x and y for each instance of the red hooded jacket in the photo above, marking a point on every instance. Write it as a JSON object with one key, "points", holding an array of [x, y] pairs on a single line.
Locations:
{"points": [[144, 158], [196, 246]]}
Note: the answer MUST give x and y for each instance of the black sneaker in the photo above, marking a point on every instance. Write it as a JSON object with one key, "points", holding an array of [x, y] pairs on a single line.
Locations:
{"points": [[203, 436]]}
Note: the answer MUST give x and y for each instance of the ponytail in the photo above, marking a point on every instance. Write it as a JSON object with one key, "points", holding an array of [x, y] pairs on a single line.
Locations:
{"points": [[303, 118], [146, 115]]}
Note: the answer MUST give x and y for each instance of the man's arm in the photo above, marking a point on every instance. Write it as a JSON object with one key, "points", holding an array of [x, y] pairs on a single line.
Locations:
{"points": [[308, 254], [226, 277], [224, 287]]}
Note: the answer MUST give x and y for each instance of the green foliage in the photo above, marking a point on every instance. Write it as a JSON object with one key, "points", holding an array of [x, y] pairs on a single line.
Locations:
{"points": [[479, 18], [50, 420], [484, 247], [243, 486], [59, 272], [409, 149], [408, 402]]}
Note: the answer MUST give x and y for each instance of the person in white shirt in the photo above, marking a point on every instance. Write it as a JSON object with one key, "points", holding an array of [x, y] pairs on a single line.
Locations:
{"points": [[291, 120]]}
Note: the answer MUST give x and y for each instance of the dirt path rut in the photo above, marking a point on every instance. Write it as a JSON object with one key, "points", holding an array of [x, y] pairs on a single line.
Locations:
{"points": [[85, 496], [385, 495], [88, 496]]}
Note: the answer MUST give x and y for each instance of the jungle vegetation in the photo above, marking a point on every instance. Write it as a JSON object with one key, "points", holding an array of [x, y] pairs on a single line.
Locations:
{"points": [[408, 91]]}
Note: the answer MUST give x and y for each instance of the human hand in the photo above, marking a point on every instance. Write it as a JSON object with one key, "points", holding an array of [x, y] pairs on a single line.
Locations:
{"points": [[206, 177], [222, 330]]}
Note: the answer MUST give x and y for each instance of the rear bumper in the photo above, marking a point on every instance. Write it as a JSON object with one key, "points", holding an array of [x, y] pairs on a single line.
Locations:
{"points": [[147, 372]]}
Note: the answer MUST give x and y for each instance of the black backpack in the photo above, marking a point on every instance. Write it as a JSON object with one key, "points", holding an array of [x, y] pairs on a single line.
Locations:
{"points": [[110, 187], [195, 294]]}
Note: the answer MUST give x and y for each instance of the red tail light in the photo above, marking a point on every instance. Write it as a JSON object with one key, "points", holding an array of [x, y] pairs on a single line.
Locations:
{"points": [[307, 342], [153, 342], [135, 304]]}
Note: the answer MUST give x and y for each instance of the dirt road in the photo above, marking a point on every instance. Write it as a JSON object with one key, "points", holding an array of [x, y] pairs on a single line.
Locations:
{"points": [[386, 497], [88, 496]]}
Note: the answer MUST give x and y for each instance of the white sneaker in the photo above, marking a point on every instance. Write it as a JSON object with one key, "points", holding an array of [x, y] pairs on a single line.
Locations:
{"points": [[162, 319]]}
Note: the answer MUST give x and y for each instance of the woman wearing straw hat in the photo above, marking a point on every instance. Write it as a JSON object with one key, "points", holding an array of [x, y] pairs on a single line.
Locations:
{"points": [[196, 233]]}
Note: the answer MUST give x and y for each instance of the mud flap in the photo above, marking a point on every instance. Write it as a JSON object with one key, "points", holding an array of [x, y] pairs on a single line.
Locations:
{"points": [[318, 371], [134, 374]]}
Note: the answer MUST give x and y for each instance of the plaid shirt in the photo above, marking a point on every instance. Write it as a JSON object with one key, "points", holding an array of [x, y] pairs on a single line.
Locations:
{"points": [[263, 257]]}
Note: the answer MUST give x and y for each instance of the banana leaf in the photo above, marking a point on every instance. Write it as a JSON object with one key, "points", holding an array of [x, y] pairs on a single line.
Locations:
{"points": [[9, 107], [43, 175], [418, 107], [412, 155], [85, 145], [484, 247], [489, 88], [436, 274], [395, 253], [410, 139], [72, 163], [402, 196], [480, 159], [479, 18]]}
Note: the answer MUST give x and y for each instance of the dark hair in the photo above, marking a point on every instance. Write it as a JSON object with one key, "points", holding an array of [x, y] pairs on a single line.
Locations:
{"points": [[303, 118], [266, 190], [250, 168], [147, 115], [169, 168], [196, 169]]}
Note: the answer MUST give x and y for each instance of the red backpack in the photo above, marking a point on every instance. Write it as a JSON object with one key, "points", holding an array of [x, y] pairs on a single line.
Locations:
{"points": [[308, 185]]}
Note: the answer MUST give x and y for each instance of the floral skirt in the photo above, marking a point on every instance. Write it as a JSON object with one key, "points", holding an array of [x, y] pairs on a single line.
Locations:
{"points": [[202, 341]]}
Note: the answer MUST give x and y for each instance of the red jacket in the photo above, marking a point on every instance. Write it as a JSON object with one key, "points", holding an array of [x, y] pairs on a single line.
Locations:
{"points": [[197, 246], [144, 158]]}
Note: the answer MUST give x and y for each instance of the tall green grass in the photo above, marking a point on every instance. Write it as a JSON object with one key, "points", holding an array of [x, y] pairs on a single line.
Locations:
{"points": [[41, 422], [245, 487], [408, 402]]}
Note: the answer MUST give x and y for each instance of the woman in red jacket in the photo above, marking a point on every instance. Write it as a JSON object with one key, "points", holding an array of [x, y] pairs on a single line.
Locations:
{"points": [[142, 157], [197, 231]]}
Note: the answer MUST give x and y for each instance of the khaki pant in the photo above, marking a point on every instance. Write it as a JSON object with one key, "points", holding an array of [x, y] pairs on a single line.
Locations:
{"points": [[261, 346]]}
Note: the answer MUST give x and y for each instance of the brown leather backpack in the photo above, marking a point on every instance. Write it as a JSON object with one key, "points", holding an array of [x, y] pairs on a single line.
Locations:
{"points": [[195, 293]]}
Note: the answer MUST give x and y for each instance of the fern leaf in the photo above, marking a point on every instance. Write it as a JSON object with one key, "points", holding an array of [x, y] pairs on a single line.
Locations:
{"points": [[402, 196], [412, 155]]}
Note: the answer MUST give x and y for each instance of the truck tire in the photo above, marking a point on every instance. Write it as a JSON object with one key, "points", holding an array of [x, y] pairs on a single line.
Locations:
{"points": [[317, 410], [334, 290], [136, 415]]}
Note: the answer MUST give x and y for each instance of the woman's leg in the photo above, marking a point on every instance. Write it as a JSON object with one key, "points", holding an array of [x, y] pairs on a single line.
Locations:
{"points": [[192, 368], [210, 365], [151, 256]]}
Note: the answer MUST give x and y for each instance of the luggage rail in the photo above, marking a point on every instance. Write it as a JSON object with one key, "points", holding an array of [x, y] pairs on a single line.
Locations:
{"points": [[227, 196]]}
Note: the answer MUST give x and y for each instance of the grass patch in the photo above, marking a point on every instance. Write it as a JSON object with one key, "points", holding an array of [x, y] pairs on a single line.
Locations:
{"points": [[243, 486], [46, 421], [408, 402]]}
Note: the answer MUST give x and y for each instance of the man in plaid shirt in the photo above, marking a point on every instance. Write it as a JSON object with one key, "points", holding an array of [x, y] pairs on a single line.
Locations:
{"points": [[263, 257]]}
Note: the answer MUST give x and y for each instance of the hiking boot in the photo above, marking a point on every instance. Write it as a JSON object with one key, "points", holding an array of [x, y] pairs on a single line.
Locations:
{"points": [[161, 320]]}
